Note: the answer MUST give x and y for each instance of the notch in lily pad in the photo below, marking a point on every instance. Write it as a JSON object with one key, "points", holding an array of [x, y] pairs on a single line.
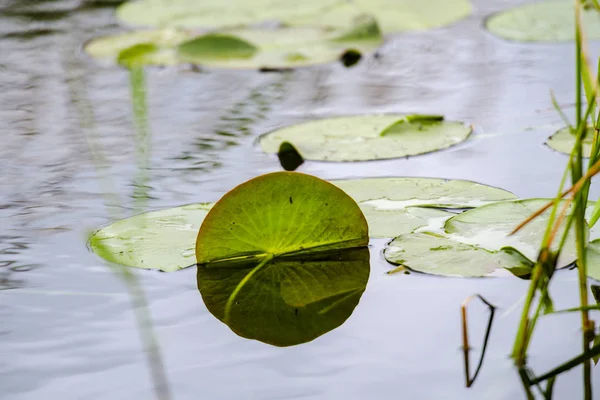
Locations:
{"points": [[270, 251], [289, 157], [416, 121]]}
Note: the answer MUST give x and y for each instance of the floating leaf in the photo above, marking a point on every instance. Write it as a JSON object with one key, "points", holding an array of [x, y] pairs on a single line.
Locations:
{"points": [[161, 239], [215, 46], [489, 227], [266, 49], [393, 15], [109, 48], [593, 259], [394, 206], [435, 254], [292, 300], [563, 141], [215, 13], [278, 214], [364, 27], [391, 222], [277, 228], [402, 192], [545, 21], [358, 138]]}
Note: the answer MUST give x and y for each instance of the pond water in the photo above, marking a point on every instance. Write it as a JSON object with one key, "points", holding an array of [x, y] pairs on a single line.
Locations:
{"points": [[68, 329]]}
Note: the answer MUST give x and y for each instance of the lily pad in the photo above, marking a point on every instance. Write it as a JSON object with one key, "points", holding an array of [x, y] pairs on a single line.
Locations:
{"points": [[278, 214], [277, 228], [544, 21], [163, 42], [489, 227], [278, 48], [402, 192], [593, 259], [359, 138], [394, 15], [563, 141], [393, 206], [293, 300], [398, 205], [215, 13], [163, 240], [435, 254]]}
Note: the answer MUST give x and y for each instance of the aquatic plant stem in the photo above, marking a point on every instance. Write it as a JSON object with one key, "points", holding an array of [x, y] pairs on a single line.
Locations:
{"points": [[580, 203]]}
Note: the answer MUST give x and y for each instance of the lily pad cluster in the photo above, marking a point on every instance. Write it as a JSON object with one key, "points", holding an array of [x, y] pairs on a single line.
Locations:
{"points": [[479, 242], [253, 48], [165, 239], [393, 15], [368, 137]]}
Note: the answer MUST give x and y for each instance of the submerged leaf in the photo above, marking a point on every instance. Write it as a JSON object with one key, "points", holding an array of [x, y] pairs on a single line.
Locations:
{"points": [[215, 46], [358, 138], [544, 21]]}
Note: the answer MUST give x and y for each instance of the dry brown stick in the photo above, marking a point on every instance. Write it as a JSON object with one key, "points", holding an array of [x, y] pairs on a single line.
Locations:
{"points": [[465, 335]]}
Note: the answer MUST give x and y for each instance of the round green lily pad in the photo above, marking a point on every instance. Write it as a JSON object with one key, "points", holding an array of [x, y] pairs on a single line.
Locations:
{"points": [[277, 48], [543, 21], [563, 141], [366, 137], [277, 214], [162, 240], [438, 255], [393, 15], [267, 253]]}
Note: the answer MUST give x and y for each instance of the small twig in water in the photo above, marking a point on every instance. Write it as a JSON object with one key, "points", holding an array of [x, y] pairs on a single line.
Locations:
{"points": [[463, 309]]}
